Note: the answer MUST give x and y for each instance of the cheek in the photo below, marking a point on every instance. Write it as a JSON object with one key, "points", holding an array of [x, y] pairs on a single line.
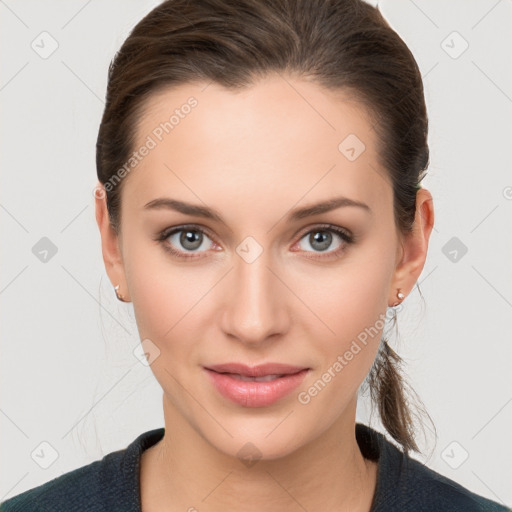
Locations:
{"points": [[348, 300], [154, 288], [167, 297], [352, 308], [346, 355]]}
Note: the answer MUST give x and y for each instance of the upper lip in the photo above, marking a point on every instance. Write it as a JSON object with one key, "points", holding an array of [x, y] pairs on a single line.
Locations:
{"points": [[256, 371]]}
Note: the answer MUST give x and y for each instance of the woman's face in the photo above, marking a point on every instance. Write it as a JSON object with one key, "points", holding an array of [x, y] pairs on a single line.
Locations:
{"points": [[256, 282]]}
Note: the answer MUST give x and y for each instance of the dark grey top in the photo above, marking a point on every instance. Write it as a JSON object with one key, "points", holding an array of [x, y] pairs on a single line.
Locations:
{"points": [[112, 483]]}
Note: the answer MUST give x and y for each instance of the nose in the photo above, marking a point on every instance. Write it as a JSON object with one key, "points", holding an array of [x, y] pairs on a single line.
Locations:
{"points": [[255, 305]]}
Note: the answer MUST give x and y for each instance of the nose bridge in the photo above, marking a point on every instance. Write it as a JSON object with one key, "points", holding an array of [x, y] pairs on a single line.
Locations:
{"points": [[254, 308]]}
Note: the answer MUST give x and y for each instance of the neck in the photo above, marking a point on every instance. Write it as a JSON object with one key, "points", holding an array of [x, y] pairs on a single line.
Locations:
{"points": [[185, 470]]}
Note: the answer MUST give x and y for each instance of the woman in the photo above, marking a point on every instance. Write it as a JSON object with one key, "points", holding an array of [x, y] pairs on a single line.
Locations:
{"points": [[259, 203]]}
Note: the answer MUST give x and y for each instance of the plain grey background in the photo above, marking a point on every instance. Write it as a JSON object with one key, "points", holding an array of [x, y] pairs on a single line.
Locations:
{"points": [[72, 388]]}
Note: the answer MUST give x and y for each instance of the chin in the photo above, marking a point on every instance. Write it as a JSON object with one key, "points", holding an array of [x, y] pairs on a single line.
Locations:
{"points": [[255, 440]]}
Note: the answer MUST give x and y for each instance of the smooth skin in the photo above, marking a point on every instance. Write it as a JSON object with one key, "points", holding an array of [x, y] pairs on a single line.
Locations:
{"points": [[254, 156]]}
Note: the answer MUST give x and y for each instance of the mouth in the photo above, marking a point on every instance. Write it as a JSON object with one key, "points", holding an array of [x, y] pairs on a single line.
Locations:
{"points": [[261, 370], [256, 386], [245, 378]]}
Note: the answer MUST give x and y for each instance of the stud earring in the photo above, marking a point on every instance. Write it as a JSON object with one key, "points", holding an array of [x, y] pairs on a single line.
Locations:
{"points": [[400, 296], [118, 295]]}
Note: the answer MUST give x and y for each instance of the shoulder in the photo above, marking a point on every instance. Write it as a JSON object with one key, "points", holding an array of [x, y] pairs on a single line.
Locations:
{"points": [[80, 489], [110, 484], [426, 488], [404, 483]]}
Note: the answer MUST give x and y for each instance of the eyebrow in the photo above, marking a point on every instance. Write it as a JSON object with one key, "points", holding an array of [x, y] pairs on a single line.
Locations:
{"points": [[294, 215]]}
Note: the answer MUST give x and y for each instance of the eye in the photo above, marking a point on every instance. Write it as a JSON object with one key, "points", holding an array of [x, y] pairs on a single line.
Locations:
{"points": [[191, 241], [321, 239], [185, 241]]}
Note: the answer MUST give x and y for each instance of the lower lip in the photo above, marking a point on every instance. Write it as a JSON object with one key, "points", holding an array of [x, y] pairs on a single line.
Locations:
{"points": [[255, 394]]}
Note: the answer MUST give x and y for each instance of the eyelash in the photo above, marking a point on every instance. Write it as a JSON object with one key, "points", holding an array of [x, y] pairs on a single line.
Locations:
{"points": [[347, 237]]}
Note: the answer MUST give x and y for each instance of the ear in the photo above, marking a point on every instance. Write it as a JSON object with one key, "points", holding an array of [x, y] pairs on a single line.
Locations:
{"points": [[110, 244], [412, 254]]}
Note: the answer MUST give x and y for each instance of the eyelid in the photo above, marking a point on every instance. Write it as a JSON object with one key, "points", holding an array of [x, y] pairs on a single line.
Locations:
{"points": [[167, 232], [326, 227]]}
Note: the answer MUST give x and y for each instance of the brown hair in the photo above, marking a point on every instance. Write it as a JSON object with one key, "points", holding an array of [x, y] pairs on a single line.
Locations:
{"points": [[339, 44]]}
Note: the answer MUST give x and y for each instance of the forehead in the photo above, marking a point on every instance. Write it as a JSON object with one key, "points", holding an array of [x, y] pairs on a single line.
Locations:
{"points": [[279, 138]]}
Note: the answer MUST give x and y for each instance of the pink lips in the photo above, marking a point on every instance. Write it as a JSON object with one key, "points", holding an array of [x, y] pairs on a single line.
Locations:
{"points": [[275, 380]]}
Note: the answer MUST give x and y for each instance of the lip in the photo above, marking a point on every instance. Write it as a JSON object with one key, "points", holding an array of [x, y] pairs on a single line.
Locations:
{"points": [[256, 371], [254, 393]]}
